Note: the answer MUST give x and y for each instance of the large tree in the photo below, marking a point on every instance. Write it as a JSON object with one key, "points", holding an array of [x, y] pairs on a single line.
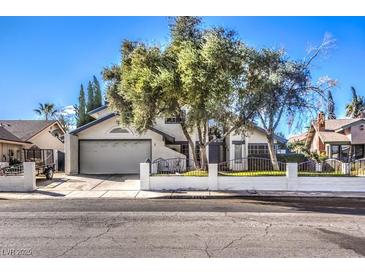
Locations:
{"points": [[356, 108], [46, 110], [200, 71], [97, 96], [80, 109], [287, 89], [90, 97]]}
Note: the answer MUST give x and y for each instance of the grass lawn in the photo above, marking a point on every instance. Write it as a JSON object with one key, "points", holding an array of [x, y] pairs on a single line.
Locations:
{"points": [[204, 173], [321, 174], [192, 173], [252, 173]]}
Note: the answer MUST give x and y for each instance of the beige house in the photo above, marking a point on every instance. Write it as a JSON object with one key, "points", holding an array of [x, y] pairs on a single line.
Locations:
{"points": [[342, 139], [17, 135], [10, 146], [105, 147]]}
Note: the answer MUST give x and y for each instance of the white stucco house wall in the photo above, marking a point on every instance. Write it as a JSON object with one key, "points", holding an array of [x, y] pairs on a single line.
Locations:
{"points": [[105, 147]]}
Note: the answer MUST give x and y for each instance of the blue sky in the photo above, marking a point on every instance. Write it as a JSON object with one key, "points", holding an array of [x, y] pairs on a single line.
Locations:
{"points": [[45, 59]]}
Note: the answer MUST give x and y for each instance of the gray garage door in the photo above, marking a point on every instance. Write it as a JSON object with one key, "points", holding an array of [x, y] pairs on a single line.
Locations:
{"points": [[113, 156]]}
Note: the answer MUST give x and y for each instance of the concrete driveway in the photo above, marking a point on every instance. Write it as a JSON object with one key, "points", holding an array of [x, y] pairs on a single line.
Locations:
{"points": [[87, 186]]}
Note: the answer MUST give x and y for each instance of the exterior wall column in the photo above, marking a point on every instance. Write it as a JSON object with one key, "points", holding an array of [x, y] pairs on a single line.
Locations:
{"points": [[29, 176], [213, 177], [71, 154], [144, 176], [292, 176]]}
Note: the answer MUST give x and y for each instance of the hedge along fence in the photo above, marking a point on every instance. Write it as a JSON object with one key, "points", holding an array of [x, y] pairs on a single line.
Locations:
{"points": [[290, 182]]}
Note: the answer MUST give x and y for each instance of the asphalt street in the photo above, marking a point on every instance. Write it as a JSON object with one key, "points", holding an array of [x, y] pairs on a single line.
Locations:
{"points": [[251, 227]]}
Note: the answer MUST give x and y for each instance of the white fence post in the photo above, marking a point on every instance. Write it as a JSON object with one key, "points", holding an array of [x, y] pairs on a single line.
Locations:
{"points": [[29, 176], [345, 168], [318, 167], [292, 176], [213, 176], [144, 176]]}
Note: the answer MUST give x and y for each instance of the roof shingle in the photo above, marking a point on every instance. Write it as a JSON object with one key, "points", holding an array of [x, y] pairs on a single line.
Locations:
{"points": [[328, 136], [334, 124], [25, 129], [8, 136]]}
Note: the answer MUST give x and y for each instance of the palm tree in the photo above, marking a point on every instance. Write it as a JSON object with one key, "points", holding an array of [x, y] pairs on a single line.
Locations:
{"points": [[47, 110], [356, 109]]}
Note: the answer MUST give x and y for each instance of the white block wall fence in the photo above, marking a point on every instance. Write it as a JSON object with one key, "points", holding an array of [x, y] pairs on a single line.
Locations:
{"points": [[23, 183], [290, 182]]}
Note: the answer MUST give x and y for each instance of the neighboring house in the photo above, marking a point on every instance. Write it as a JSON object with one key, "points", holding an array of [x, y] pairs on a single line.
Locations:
{"points": [[298, 138], [342, 139], [19, 135], [10, 146], [104, 147]]}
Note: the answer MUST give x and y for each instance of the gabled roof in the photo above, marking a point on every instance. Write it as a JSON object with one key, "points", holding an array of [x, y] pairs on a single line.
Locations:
{"points": [[26, 129], [5, 135], [278, 138], [298, 138], [92, 123], [97, 109], [354, 123], [111, 115], [335, 124], [333, 137]]}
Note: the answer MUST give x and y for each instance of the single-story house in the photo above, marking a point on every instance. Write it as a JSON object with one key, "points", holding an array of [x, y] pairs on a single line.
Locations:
{"points": [[17, 136], [103, 146], [342, 139]]}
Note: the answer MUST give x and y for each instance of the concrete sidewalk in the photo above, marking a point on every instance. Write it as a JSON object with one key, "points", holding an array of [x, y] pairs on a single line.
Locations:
{"points": [[137, 194]]}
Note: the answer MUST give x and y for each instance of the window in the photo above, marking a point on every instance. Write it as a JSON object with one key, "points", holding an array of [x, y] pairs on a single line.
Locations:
{"points": [[335, 151], [197, 151], [258, 149], [185, 150], [358, 151], [119, 130], [177, 119], [361, 127], [237, 153], [345, 152]]}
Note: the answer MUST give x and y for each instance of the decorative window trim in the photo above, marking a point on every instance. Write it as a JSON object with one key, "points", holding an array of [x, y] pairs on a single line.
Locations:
{"points": [[118, 130], [238, 142]]}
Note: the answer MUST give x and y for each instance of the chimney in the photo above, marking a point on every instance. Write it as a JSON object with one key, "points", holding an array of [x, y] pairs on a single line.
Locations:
{"points": [[321, 123]]}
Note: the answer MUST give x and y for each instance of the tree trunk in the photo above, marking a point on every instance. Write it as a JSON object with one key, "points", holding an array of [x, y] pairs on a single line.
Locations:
{"points": [[203, 156], [191, 144], [273, 158]]}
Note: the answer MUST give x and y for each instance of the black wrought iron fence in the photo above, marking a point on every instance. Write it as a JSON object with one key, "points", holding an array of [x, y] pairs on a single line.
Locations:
{"points": [[178, 167], [14, 170], [329, 167], [357, 168], [251, 166], [307, 168], [332, 166]]}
